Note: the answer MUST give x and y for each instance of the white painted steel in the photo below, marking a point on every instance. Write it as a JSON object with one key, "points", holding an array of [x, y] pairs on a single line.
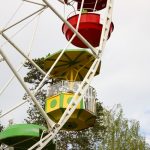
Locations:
{"points": [[1, 58], [71, 107], [9, 81], [94, 50], [51, 123], [14, 14], [64, 87], [13, 108], [62, 52], [41, 83], [106, 25], [39, 10], [84, 85], [20, 67], [23, 54], [33, 2]]}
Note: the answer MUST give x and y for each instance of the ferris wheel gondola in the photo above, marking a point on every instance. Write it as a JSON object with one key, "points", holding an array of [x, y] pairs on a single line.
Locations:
{"points": [[90, 6], [70, 103], [71, 70], [23, 136], [90, 28]]}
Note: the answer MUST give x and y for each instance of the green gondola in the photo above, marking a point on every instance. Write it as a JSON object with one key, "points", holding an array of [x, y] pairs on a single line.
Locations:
{"points": [[23, 136]]}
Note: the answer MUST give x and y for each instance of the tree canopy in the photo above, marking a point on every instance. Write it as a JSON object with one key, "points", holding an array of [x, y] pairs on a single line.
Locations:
{"points": [[121, 133], [74, 139], [111, 131]]}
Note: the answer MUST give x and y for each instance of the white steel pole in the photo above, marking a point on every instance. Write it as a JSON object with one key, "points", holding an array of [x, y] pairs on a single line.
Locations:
{"points": [[36, 90], [18, 105], [22, 20], [106, 25], [33, 2], [1, 58], [71, 107], [10, 80], [23, 54], [78, 95], [72, 28], [49, 121]]}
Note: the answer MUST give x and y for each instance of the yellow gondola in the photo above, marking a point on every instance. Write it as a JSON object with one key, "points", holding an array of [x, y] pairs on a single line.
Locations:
{"points": [[72, 66], [71, 70]]}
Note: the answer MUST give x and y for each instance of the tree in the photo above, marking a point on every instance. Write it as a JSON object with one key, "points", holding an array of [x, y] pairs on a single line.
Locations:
{"points": [[1, 126], [1, 129], [85, 139], [121, 133], [78, 140], [110, 132]]}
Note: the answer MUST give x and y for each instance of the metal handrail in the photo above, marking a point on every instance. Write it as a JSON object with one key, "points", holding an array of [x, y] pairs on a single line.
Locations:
{"points": [[73, 13], [71, 87]]}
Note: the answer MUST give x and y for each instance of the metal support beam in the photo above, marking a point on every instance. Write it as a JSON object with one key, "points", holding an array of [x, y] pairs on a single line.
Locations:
{"points": [[72, 28], [71, 107], [23, 54], [106, 25], [49, 121], [82, 88], [17, 106], [23, 19], [1, 58], [34, 2]]}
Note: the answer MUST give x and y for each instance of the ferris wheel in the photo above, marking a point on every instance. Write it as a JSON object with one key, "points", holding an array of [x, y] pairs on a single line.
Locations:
{"points": [[70, 103]]}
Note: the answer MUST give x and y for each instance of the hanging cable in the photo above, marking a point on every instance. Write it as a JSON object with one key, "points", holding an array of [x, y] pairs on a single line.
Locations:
{"points": [[14, 14], [52, 65], [73, 7], [12, 36], [1, 58], [64, 9], [48, 73], [25, 18], [11, 18], [34, 34], [9, 81], [95, 5], [28, 53], [34, 2], [79, 18]]}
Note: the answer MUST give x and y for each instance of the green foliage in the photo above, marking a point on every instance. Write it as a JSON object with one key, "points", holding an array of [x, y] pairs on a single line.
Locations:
{"points": [[78, 140], [85, 139], [34, 76], [121, 133], [34, 116], [110, 132]]}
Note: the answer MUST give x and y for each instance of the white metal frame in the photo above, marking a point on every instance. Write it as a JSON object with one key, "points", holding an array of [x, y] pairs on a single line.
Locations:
{"points": [[26, 56], [85, 83], [63, 86], [49, 121], [97, 52]]}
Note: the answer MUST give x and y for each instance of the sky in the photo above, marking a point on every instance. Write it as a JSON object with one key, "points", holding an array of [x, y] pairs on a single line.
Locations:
{"points": [[125, 71]]}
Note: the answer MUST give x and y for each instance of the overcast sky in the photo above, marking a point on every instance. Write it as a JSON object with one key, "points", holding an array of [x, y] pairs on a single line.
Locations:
{"points": [[125, 71]]}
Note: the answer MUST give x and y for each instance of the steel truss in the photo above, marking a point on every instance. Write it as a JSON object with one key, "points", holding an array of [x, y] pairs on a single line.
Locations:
{"points": [[97, 52]]}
